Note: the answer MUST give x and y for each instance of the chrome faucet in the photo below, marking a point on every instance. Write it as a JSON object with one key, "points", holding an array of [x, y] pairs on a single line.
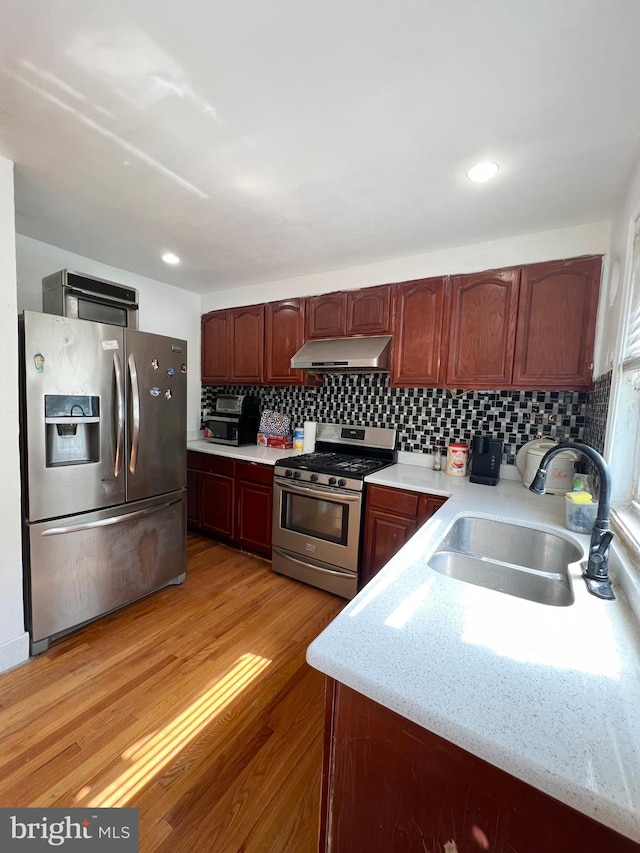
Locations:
{"points": [[596, 570]]}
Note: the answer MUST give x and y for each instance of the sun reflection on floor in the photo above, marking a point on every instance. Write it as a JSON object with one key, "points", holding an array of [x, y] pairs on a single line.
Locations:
{"points": [[150, 755]]}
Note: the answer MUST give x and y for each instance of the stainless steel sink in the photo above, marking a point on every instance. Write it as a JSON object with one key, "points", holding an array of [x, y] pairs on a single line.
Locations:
{"points": [[509, 558]]}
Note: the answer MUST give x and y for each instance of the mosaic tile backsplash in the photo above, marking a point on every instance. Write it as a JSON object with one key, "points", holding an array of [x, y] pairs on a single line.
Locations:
{"points": [[424, 416], [597, 409]]}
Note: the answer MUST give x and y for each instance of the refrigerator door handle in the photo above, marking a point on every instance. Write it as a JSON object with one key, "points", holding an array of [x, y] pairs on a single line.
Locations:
{"points": [[117, 367], [105, 522], [135, 414]]}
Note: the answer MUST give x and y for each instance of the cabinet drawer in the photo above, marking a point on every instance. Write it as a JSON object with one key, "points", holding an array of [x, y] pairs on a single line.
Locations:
{"points": [[217, 465], [194, 460], [395, 501], [253, 472]]}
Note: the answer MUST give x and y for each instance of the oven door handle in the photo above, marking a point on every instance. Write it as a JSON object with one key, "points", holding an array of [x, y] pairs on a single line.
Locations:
{"points": [[339, 572], [319, 493]]}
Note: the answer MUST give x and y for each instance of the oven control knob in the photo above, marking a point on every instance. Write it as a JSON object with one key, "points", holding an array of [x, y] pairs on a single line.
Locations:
{"points": [[314, 478], [296, 475], [332, 481], [342, 483], [288, 473]]}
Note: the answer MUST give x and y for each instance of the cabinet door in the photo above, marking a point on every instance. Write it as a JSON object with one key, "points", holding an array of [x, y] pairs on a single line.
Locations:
{"points": [[216, 368], [428, 506], [284, 335], [556, 324], [246, 331], [193, 498], [255, 516], [327, 316], [217, 515], [384, 535], [417, 345], [483, 329], [369, 311], [391, 785]]}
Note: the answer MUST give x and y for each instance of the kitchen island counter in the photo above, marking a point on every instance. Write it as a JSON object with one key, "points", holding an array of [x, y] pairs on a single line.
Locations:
{"points": [[547, 694]]}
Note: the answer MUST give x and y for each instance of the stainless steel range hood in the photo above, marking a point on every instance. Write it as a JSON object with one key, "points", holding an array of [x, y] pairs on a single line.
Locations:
{"points": [[346, 354]]}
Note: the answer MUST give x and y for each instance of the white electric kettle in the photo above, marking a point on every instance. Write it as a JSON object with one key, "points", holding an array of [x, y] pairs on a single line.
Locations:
{"points": [[560, 470]]}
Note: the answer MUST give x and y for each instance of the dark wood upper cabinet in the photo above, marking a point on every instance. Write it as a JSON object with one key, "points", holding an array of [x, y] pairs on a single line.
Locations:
{"points": [[247, 344], [369, 311], [353, 312], [417, 344], [216, 363], [327, 315], [284, 335], [556, 324], [232, 345], [482, 332]]}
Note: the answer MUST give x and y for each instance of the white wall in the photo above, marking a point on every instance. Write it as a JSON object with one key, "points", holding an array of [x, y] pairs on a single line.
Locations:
{"points": [[524, 249], [164, 309], [14, 642]]}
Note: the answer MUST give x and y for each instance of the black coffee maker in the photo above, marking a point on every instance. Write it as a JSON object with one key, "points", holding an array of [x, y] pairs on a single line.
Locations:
{"points": [[486, 456]]}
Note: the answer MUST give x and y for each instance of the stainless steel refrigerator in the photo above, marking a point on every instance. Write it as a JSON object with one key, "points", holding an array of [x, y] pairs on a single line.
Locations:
{"points": [[103, 454]]}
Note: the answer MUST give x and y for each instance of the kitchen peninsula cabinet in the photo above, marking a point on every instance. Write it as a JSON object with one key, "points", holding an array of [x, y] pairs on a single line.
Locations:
{"points": [[232, 346], [392, 516], [483, 314], [556, 324], [389, 784], [417, 343], [353, 312]]}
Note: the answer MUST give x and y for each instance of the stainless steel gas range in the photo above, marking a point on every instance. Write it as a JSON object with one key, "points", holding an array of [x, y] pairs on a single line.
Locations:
{"points": [[317, 506]]}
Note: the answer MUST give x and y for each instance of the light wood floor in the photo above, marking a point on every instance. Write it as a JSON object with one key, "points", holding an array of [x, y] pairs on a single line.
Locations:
{"points": [[194, 705]]}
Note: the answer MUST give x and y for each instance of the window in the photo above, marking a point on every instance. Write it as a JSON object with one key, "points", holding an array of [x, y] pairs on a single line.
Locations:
{"points": [[624, 436]]}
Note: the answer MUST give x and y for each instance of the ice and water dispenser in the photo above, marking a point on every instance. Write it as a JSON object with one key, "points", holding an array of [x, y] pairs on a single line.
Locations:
{"points": [[72, 426]]}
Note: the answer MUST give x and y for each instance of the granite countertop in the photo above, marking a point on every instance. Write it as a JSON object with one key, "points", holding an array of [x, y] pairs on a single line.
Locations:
{"points": [[246, 453], [548, 694]]}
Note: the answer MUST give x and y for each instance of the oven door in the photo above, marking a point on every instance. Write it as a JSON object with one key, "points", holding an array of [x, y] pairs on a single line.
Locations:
{"points": [[317, 522]]}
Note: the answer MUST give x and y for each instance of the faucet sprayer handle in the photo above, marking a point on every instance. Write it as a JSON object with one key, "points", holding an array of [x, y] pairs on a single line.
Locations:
{"points": [[603, 544]]}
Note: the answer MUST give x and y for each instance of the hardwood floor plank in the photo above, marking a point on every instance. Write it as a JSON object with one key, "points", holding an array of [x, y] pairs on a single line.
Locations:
{"points": [[195, 705]]}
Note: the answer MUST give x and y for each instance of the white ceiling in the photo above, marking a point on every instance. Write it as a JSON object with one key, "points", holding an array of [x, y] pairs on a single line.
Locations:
{"points": [[260, 140]]}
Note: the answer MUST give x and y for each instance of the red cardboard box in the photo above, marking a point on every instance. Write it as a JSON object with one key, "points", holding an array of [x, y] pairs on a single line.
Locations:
{"points": [[283, 442]]}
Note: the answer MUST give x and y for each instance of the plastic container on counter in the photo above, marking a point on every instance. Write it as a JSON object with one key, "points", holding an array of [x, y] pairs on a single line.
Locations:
{"points": [[581, 512], [298, 438], [457, 459]]}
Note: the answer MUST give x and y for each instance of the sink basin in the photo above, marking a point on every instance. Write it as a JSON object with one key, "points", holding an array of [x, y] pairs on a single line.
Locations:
{"points": [[509, 558]]}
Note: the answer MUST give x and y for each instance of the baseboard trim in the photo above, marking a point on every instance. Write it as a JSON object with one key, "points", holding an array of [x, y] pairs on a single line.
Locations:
{"points": [[13, 652]]}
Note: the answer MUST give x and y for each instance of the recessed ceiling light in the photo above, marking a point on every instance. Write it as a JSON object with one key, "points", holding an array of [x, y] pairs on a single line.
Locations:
{"points": [[170, 258], [483, 171]]}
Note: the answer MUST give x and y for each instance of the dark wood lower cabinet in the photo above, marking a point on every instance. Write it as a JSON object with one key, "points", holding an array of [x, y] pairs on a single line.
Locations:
{"points": [[390, 785], [217, 514], [231, 501], [392, 516], [254, 492]]}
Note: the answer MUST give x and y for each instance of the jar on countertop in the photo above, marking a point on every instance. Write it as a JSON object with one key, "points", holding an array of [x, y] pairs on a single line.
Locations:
{"points": [[457, 459]]}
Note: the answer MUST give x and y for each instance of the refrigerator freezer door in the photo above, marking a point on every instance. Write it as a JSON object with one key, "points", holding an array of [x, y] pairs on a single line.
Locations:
{"points": [[72, 414], [157, 414], [84, 566]]}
